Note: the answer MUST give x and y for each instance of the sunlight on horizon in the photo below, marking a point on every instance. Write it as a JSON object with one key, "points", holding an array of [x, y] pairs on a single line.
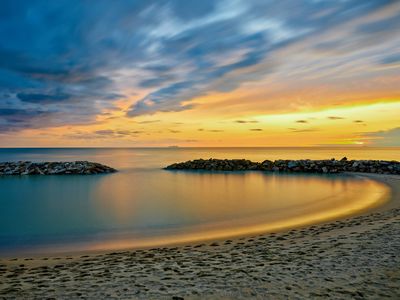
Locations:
{"points": [[219, 74]]}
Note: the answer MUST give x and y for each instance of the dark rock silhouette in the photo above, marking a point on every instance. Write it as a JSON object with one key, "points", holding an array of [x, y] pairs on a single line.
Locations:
{"points": [[53, 168], [303, 165]]}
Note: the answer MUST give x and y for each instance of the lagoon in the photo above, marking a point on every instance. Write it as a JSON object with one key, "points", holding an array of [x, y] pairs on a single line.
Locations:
{"points": [[145, 206]]}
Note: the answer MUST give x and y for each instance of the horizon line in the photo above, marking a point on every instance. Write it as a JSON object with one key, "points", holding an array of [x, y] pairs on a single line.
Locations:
{"points": [[205, 147]]}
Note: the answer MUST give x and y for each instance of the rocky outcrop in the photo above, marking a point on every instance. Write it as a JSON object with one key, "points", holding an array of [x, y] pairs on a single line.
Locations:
{"points": [[304, 165], [53, 168]]}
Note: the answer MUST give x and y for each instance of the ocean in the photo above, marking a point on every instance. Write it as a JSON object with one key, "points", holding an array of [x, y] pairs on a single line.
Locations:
{"points": [[143, 205]]}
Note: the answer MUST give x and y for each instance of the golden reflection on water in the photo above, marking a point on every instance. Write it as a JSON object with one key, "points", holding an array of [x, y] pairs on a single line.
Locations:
{"points": [[180, 207], [145, 206]]}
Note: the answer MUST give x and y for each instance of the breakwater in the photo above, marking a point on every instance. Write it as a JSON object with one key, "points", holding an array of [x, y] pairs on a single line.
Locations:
{"points": [[53, 168], [304, 165]]}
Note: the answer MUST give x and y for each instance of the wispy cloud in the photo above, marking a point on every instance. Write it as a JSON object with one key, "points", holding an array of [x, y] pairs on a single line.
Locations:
{"points": [[103, 134], [210, 130], [384, 138], [392, 59], [174, 131], [71, 61], [303, 130], [360, 122], [149, 122], [246, 121], [335, 118]]}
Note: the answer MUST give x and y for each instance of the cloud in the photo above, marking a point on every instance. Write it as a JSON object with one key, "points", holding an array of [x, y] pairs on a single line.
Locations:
{"points": [[255, 129], [360, 122], [148, 121], [335, 118], [103, 134], [155, 82], [254, 34], [384, 138], [18, 117], [210, 130], [386, 26], [392, 59], [72, 60], [302, 121], [303, 130], [43, 98], [245, 121], [128, 132], [162, 100]]}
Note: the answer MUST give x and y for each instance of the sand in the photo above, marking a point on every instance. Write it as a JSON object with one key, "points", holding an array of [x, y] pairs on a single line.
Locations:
{"points": [[354, 258]]}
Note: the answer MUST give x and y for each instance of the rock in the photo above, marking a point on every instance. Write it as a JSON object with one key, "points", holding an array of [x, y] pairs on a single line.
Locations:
{"points": [[53, 168], [309, 166]]}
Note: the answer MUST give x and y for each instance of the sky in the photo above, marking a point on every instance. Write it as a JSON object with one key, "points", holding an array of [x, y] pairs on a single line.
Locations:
{"points": [[199, 73]]}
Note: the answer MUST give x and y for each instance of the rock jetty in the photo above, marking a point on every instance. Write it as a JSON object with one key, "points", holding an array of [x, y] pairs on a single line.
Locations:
{"points": [[53, 168], [304, 165]]}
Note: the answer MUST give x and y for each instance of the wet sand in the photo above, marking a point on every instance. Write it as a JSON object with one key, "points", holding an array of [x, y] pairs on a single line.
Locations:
{"points": [[353, 258]]}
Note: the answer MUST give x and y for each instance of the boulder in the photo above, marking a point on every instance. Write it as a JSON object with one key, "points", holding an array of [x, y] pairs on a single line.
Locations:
{"points": [[309, 166], [53, 168]]}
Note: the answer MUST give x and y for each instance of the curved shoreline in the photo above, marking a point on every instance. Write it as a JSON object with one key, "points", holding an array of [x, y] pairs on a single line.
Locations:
{"points": [[356, 257], [393, 182], [373, 194]]}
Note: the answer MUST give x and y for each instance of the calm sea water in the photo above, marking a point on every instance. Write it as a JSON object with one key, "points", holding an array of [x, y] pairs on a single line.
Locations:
{"points": [[143, 205]]}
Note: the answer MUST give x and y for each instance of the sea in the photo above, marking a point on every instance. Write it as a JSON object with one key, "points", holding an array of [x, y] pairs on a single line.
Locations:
{"points": [[143, 205]]}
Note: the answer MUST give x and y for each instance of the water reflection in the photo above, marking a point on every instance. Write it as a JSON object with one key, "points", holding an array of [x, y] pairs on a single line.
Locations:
{"points": [[183, 199], [146, 206]]}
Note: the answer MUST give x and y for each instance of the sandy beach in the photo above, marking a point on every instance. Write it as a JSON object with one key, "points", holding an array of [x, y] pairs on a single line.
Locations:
{"points": [[353, 258]]}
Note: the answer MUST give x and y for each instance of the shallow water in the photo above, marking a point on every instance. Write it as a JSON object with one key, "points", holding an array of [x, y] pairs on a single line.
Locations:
{"points": [[143, 205]]}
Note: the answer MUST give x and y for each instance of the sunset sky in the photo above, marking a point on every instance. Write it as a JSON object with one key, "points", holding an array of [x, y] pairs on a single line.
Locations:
{"points": [[199, 73]]}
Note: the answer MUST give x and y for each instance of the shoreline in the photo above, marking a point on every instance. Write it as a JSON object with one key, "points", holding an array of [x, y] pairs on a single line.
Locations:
{"points": [[122, 244], [353, 257], [391, 181]]}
